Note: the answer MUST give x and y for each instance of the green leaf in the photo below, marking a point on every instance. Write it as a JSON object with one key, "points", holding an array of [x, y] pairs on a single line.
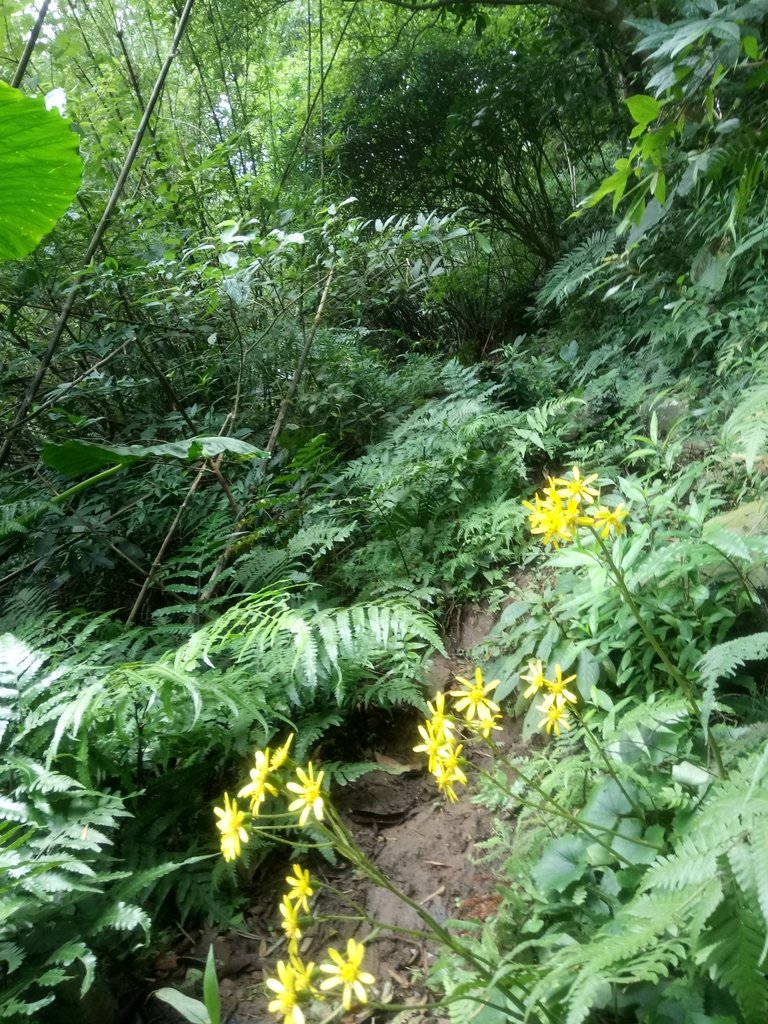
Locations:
{"points": [[562, 862], [74, 458], [643, 109], [483, 243], [721, 662], [40, 170], [688, 774], [749, 44], [606, 804], [12, 955], [634, 853], [616, 183], [211, 988], [190, 1009]]}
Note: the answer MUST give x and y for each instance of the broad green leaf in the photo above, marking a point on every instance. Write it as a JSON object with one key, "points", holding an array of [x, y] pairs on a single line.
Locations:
{"points": [[74, 458], [40, 170], [606, 804], [689, 774], [562, 863], [643, 109], [191, 1010], [750, 46], [483, 242], [630, 829]]}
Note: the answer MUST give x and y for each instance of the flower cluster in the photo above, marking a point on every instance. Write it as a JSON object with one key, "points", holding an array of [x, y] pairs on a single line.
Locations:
{"points": [[568, 504], [557, 696], [479, 714], [306, 789], [295, 981]]}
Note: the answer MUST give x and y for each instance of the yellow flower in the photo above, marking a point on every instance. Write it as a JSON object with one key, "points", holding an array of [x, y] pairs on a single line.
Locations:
{"points": [[535, 678], [290, 916], [546, 519], [301, 889], [441, 723], [447, 772], [473, 700], [230, 824], [609, 520], [557, 689], [556, 714], [285, 988], [348, 973], [578, 487], [258, 787], [309, 797], [485, 726], [434, 741], [280, 755], [293, 949], [554, 519], [573, 517], [302, 975], [550, 518]]}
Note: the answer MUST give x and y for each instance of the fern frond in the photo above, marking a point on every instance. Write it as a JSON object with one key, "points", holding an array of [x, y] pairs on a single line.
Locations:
{"points": [[344, 773], [125, 918], [746, 429], [313, 727], [694, 859], [307, 644], [721, 662], [458, 379], [732, 948], [576, 267]]}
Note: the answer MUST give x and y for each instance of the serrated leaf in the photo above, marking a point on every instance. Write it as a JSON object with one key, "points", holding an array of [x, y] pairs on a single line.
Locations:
{"points": [[12, 955], [721, 662]]}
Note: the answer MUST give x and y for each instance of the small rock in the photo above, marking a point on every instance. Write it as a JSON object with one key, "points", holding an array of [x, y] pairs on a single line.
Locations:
{"points": [[749, 519], [668, 411]]}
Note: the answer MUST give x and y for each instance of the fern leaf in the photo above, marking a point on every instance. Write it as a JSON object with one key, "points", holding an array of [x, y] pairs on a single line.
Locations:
{"points": [[124, 918], [576, 267], [732, 949], [588, 989], [759, 848], [71, 952], [747, 426], [343, 773], [12, 955], [693, 862], [721, 662]]}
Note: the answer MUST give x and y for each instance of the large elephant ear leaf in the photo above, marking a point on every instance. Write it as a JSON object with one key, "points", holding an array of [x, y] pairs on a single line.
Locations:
{"points": [[40, 171]]}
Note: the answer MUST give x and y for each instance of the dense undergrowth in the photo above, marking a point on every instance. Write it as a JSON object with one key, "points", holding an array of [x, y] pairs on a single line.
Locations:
{"points": [[194, 566]]}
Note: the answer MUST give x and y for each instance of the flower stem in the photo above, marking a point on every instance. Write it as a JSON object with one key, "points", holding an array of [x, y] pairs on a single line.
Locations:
{"points": [[672, 669], [347, 847], [588, 828], [607, 761]]}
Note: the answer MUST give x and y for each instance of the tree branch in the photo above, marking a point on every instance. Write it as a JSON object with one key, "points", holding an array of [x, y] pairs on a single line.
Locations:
{"points": [[29, 48]]}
